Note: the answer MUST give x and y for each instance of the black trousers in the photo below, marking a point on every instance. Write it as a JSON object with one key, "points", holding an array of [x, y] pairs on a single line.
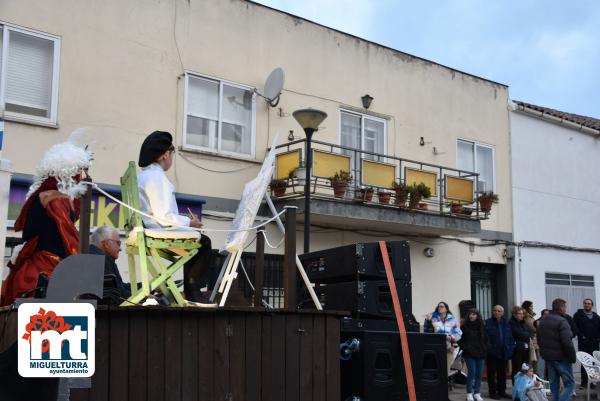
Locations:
{"points": [[520, 356], [590, 350], [199, 272], [496, 375]]}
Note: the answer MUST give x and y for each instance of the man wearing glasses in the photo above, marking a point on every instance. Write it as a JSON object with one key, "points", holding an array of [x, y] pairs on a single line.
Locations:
{"points": [[106, 241], [588, 332]]}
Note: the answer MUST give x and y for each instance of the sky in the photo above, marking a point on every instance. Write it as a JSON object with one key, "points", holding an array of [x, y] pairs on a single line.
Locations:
{"points": [[546, 51]]}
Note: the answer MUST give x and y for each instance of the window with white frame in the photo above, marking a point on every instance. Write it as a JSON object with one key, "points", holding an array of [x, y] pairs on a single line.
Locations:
{"points": [[363, 132], [219, 116], [478, 158], [29, 65]]}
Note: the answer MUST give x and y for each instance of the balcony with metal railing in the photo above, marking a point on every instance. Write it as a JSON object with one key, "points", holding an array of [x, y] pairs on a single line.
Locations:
{"points": [[379, 193]]}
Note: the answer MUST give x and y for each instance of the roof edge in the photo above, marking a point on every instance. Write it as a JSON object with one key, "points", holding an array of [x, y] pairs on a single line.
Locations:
{"points": [[589, 125], [375, 43]]}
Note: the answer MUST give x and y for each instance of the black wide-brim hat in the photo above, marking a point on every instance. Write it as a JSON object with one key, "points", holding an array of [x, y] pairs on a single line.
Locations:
{"points": [[154, 146]]}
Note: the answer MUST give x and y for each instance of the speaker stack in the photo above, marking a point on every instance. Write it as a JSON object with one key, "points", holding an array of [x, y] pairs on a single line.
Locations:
{"points": [[352, 278], [374, 369]]}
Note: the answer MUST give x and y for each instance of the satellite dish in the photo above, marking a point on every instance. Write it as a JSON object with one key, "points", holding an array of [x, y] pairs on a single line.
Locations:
{"points": [[273, 87]]}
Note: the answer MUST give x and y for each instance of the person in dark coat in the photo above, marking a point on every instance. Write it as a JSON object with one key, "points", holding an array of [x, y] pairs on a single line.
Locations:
{"points": [[522, 336], [474, 344], [500, 350], [572, 325], [588, 327], [556, 346], [106, 241], [542, 371]]}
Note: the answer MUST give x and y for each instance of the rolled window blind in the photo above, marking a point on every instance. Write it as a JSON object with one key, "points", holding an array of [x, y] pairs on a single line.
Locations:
{"points": [[29, 71]]}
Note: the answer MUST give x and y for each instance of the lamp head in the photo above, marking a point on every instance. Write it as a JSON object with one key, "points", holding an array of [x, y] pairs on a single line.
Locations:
{"points": [[366, 100], [309, 119]]}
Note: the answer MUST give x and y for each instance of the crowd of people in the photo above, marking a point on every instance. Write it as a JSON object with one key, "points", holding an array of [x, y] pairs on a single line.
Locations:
{"points": [[537, 348]]}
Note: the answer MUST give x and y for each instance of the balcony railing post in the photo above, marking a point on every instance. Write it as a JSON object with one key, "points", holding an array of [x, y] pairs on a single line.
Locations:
{"points": [[441, 193]]}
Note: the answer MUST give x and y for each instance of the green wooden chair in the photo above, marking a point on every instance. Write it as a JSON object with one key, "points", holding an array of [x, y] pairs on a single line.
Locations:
{"points": [[153, 247]]}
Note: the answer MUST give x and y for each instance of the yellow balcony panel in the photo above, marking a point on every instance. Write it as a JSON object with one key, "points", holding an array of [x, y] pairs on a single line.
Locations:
{"points": [[377, 174], [459, 189], [326, 164], [286, 162], [415, 177]]}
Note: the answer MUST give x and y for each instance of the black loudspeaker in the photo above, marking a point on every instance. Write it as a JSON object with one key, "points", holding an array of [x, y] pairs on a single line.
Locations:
{"points": [[366, 299], [374, 370], [362, 260]]}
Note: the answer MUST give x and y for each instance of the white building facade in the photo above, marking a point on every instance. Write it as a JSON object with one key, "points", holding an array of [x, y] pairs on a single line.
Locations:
{"points": [[556, 201]]}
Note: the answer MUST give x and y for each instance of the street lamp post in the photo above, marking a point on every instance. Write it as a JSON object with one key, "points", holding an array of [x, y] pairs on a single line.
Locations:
{"points": [[309, 120]]}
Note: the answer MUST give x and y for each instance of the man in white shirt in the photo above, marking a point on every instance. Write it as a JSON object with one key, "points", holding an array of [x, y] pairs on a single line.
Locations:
{"points": [[157, 198]]}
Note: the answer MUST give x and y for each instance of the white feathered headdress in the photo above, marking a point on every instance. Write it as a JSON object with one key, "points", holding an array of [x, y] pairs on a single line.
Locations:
{"points": [[64, 161]]}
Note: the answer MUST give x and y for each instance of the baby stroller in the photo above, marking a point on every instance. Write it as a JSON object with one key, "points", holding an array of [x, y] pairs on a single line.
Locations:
{"points": [[457, 370]]}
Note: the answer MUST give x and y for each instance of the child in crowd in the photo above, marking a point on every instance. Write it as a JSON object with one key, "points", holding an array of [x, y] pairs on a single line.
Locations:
{"points": [[526, 387]]}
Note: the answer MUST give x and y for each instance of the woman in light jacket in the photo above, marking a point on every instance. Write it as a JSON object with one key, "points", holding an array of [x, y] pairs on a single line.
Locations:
{"points": [[442, 321]]}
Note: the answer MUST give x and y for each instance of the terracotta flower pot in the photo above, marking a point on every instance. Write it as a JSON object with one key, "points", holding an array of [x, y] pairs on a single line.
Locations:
{"points": [[422, 206], [456, 208], [384, 197], [278, 191], [365, 195], [339, 187], [485, 205]]}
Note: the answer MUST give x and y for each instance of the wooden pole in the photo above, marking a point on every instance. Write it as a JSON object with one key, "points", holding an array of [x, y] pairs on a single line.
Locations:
{"points": [[259, 269], [410, 382], [84, 218], [289, 259]]}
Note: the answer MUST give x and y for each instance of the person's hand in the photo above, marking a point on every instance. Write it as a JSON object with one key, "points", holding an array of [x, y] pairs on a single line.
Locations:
{"points": [[428, 316], [48, 196], [195, 223], [194, 220]]}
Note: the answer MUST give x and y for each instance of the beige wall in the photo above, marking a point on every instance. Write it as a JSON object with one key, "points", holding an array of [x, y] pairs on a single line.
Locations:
{"points": [[120, 76], [121, 69]]}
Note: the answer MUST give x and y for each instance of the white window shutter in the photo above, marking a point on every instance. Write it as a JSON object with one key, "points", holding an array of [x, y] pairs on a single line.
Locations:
{"points": [[29, 72]]}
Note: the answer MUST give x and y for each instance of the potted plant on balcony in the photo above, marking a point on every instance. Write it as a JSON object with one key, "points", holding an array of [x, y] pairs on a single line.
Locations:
{"points": [[364, 194], [456, 208], [340, 181], [486, 199], [401, 193], [384, 196], [278, 187], [299, 173], [418, 192]]}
